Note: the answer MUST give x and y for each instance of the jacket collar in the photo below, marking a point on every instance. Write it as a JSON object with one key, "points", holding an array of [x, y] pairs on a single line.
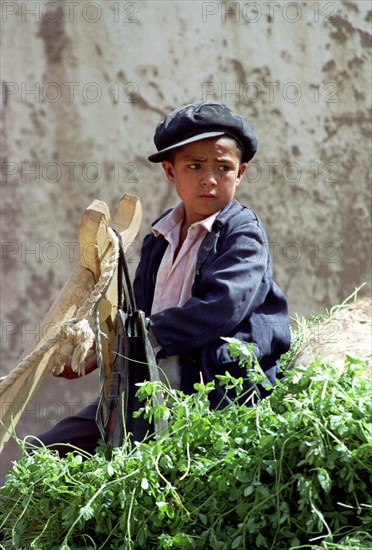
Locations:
{"points": [[230, 210]]}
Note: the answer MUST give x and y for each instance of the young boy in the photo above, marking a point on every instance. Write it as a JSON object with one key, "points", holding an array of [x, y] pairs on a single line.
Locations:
{"points": [[205, 270], [209, 256]]}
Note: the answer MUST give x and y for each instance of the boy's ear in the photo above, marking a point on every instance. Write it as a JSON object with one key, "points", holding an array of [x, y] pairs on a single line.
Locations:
{"points": [[241, 171], [168, 169]]}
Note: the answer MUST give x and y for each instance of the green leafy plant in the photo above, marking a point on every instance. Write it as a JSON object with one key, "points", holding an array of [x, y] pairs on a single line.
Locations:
{"points": [[292, 472]]}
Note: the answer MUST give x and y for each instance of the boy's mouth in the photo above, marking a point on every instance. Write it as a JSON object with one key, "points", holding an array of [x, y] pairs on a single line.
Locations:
{"points": [[208, 196]]}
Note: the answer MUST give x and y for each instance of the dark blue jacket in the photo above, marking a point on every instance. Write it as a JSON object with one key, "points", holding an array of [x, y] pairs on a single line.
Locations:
{"points": [[233, 295]]}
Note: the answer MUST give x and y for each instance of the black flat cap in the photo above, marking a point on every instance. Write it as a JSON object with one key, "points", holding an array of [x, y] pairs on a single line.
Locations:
{"points": [[203, 120]]}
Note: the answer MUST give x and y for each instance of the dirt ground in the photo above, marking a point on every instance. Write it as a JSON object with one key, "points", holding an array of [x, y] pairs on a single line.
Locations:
{"points": [[348, 331]]}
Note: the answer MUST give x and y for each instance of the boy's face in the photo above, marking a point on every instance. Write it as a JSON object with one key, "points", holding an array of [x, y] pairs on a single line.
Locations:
{"points": [[206, 174]]}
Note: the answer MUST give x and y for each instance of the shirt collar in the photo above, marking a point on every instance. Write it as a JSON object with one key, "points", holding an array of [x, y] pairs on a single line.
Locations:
{"points": [[175, 217]]}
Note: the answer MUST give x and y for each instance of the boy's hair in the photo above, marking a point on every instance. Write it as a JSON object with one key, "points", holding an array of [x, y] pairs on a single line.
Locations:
{"points": [[171, 155], [202, 120]]}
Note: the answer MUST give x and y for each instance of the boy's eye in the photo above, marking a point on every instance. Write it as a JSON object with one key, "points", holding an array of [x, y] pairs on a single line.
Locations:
{"points": [[219, 168]]}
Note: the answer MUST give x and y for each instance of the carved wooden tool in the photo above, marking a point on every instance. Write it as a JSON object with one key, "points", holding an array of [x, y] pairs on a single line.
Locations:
{"points": [[16, 390]]}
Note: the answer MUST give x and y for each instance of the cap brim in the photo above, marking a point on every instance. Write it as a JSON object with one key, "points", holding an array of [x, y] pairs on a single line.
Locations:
{"points": [[161, 155]]}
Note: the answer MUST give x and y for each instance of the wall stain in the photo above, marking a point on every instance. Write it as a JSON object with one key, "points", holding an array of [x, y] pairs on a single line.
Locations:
{"points": [[343, 30], [347, 119], [52, 32], [330, 66], [351, 5], [142, 103]]}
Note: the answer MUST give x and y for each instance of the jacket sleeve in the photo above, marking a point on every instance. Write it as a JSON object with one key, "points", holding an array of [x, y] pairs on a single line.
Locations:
{"points": [[232, 283]]}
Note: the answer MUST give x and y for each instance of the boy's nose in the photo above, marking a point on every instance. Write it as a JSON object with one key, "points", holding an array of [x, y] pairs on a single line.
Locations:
{"points": [[209, 177]]}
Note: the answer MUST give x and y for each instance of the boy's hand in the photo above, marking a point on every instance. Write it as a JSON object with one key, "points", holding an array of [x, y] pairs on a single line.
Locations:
{"points": [[90, 365]]}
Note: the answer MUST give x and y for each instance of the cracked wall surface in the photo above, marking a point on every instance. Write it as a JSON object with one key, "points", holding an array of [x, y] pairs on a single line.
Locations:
{"points": [[84, 85]]}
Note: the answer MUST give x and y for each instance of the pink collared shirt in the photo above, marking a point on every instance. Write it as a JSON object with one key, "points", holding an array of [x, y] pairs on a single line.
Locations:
{"points": [[175, 277]]}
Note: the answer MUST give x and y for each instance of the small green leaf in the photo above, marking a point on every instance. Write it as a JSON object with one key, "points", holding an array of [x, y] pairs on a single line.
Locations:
{"points": [[161, 504], [236, 542], [324, 480], [203, 518]]}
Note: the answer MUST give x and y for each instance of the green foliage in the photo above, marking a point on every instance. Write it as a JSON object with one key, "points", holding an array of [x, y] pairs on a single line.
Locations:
{"points": [[292, 472]]}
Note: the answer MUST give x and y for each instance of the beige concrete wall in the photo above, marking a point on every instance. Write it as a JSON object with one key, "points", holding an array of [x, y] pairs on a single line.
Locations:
{"points": [[85, 82]]}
